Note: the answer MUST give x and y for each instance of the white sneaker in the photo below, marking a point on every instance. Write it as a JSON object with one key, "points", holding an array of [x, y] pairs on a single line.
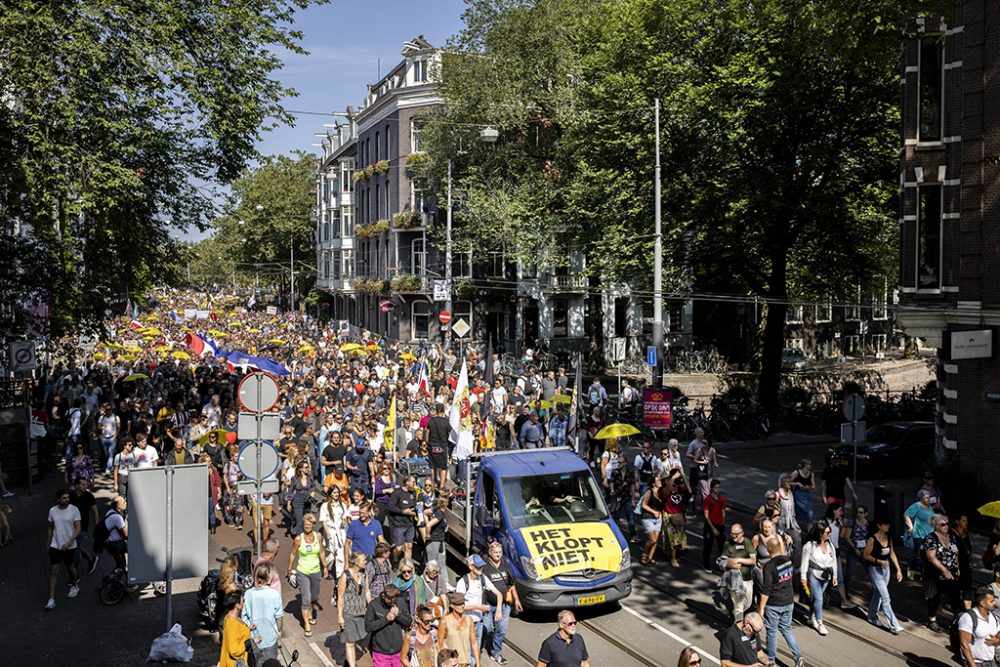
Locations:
{"points": [[896, 630], [812, 623], [822, 629], [877, 623], [74, 590], [51, 604], [8, 494]]}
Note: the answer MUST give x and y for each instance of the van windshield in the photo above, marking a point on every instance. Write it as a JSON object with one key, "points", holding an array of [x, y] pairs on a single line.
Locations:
{"points": [[571, 497]]}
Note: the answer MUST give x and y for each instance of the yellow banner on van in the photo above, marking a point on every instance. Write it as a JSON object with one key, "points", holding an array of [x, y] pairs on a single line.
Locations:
{"points": [[567, 547]]}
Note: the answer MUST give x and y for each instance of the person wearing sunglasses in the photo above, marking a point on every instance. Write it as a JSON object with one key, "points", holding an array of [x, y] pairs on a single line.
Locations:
{"points": [[739, 645], [689, 657], [564, 647], [420, 643], [942, 569]]}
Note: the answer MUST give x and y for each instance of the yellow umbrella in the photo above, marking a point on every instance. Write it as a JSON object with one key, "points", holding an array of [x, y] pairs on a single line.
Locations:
{"points": [[151, 331], [253, 330], [136, 376], [127, 357], [133, 348], [562, 398], [406, 356], [277, 341], [216, 332], [185, 328], [306, 348], [991, 510], [616, 431], [161, 348], [99, 355], [114, 346], [180, 355], [350, 347]]}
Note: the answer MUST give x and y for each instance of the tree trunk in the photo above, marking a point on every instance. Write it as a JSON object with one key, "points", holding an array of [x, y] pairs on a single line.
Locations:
{"points": [[769, 381]]}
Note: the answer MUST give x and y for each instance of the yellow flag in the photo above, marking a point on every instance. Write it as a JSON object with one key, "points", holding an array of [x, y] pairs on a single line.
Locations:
{"points": [[389, 435]]}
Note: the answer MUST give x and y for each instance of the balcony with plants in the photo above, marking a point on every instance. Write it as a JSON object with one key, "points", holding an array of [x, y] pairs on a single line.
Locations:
{"points": [[406, 220], [371, 230], [371, 285], [408, 284]]}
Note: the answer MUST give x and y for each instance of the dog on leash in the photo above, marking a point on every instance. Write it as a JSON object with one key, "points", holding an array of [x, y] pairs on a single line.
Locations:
{"points": [[6, 535]]}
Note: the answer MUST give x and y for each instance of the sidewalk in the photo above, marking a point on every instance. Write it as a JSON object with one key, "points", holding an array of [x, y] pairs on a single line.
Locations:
{"points": [[82, 630]]}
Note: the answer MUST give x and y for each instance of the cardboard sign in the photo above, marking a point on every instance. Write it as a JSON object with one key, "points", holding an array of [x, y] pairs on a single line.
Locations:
{"points": [[567, 547], [656, 408]]}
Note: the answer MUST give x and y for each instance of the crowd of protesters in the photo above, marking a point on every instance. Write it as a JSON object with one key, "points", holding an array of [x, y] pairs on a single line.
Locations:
{"points": [[156, 390]]}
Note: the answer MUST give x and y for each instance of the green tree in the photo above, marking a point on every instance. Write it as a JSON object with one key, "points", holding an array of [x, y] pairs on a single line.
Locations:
{"points": [[117, 121], [271, 211], [779, 125]]}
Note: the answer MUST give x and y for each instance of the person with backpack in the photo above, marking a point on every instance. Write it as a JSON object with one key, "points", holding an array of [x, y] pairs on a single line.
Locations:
{"points": [[645, 466], [979, 630], [420, 645], [111, 534]]}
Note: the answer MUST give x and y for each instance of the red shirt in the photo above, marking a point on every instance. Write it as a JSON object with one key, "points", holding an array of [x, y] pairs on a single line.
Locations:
{"points": [[716, 508]]}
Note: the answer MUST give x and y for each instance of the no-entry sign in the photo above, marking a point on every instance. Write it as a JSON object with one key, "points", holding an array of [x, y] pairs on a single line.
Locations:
{"points": [[444, 317]]}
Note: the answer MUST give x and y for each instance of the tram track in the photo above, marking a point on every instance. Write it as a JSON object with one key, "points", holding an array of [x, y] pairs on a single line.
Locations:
{"points": [[782, 650]]}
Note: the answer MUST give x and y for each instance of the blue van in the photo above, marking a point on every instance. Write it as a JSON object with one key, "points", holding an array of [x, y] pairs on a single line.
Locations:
{"points": [[547, 510]]}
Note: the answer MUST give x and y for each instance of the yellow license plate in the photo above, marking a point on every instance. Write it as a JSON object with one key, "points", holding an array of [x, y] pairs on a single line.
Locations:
{"points": [[590, 599]]}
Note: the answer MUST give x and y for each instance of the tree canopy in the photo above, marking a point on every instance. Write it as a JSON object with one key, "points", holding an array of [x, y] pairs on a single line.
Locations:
{"points": [[779, 122], [118, 119]]}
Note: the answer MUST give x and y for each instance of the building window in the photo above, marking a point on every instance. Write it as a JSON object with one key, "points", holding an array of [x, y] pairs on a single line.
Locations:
{"points": [[348, 270], [415, 146], [418, 257], [675, 309], [346, 175], [929, 236], [853, 310], [461, 265], [335, 223], [560, 318], [378, 203], [850, 345], [621, 316], [824, 312], [347, 220], [793, 315], [793, 343], [879, 299], [879, 343], [388, 144], [418, 201], [378, 147], [419, 71], [420, 320], [931, 87]]}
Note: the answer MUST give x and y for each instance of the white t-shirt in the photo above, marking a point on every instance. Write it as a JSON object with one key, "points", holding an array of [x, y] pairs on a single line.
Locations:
{"points": [[145, 457], [473, 591], [109, 426], [612, 464], [985, 628], [115, 523], [62, 521], [124, 462]]}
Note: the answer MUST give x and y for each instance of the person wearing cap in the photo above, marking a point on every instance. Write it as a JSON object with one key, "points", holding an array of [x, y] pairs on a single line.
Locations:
{"points": [[458, 632], [917, 519], [472, 586]]}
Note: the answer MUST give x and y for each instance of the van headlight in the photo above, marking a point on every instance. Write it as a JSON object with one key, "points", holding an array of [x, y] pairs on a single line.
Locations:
{"points": [[529, 568], [626, 562]]}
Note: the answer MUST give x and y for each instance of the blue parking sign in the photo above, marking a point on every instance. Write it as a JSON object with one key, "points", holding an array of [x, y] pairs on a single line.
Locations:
{"points": [[651, 355]]}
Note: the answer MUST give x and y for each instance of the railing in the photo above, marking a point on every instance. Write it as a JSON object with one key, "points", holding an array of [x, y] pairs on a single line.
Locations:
{"points": [[576, 282]]}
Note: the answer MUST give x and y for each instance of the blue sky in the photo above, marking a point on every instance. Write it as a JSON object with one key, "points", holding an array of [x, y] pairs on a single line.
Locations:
{"points": [[345, 40]]}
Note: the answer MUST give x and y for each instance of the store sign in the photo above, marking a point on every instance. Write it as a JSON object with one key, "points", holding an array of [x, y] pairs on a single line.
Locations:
{"points": [[971, 344], [656, 408]]}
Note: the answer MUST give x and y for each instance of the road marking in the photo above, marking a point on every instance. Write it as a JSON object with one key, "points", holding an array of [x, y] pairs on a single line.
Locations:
{"points": [[656, 626], [319, 654]]}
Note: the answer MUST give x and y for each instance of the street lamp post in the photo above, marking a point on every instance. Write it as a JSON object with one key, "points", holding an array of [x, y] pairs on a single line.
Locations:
{"points": [[447, 256], [657, 261]]}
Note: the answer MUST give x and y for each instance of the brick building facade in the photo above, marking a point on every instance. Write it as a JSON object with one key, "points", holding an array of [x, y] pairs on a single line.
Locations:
{"points": [[950, 223]]}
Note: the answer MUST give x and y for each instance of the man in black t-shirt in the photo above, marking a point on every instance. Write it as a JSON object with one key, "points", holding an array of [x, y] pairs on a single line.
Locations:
{"points": [[438, 432], [739, 645], [402, 514], [836, 485], [777, 599], [564, 648], [413, 446], [495, 630], [84, 501], [333, 453]]}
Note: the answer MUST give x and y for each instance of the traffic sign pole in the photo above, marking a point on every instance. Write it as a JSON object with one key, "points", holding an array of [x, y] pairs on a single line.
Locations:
{"points": [[854, 410], [257, 521]]}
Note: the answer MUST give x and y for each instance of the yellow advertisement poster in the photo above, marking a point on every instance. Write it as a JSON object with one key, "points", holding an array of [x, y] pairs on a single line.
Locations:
{"points": [[567, 547]]}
